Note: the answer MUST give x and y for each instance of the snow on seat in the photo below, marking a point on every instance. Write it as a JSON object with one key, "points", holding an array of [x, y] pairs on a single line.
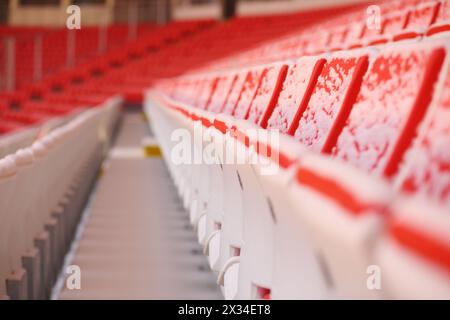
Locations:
{"points": [[296, 89], [250, 86], [337, 37], [220, 95], [331, 100], [295, 93], [284, 49], [333, 92], [325, 185], [395, 23], [420, 18], [392, 25], [393, 99], [235, 92], [353, 35], [337, 224], [207, 90], [426, 168], [183, 90], [231, 233], [207, 220], [187, 90], [209, 224], [318, 40], [227, 217], [258, 97], [371, 34], [416, 240]]}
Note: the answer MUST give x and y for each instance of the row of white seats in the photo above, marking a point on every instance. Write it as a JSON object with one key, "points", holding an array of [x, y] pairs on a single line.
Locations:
{"points": [[42, 187], [319, 225], [9, 143]]}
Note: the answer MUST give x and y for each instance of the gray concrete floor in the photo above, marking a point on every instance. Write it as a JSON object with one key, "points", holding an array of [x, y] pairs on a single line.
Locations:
{"points": [[136, 241]]}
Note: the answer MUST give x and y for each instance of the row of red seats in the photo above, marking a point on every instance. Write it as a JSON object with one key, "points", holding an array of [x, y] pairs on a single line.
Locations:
{"points": [[54, 47], [167, 52], [88, 84], [363, 167], [397, 20]]}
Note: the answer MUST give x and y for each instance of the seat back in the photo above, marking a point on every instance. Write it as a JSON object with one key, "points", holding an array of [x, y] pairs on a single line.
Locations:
{"points": [[235, 92], [220, 95], [8, 174], [416, 240], [248, 93], [393, 100], [426, 167], [331, 101], [295, 93]]}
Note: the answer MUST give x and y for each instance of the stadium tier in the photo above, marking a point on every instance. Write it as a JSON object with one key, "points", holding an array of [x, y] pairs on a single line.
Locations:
{"points": [[324, 146]]}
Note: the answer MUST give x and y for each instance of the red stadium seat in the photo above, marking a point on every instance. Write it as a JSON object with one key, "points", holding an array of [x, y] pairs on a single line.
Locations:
{"points": [[379, 128], [425, 166], [442, 22], [420, 18], [338, 85], [416, 240]]}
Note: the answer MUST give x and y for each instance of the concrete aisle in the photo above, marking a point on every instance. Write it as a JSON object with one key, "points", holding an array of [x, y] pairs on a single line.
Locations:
{"points": [[136, 242]]}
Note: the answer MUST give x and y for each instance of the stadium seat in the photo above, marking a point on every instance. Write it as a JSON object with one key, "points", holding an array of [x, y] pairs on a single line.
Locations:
{"points": [[306, 155], [416, 239], [441, 23], [419, 20], [254, 248], [374, 142], [8, 172]]}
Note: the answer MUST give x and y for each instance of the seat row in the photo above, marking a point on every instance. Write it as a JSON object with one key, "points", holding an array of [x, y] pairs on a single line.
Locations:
{"points": [[75, 93], [44, 187], [321, 177]]}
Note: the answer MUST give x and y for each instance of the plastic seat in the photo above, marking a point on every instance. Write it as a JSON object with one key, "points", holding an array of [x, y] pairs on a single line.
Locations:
{"points": [[230, 233], [331, 100], [255, 211], [420, 18], [417, 233], [442, 21], [340, 226], [315, 96], [24, 188], [425, 165], [217, 243], [235, 93], [208, 89], [358, 210], [220, 95], [416, 240], [379, 128]]}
